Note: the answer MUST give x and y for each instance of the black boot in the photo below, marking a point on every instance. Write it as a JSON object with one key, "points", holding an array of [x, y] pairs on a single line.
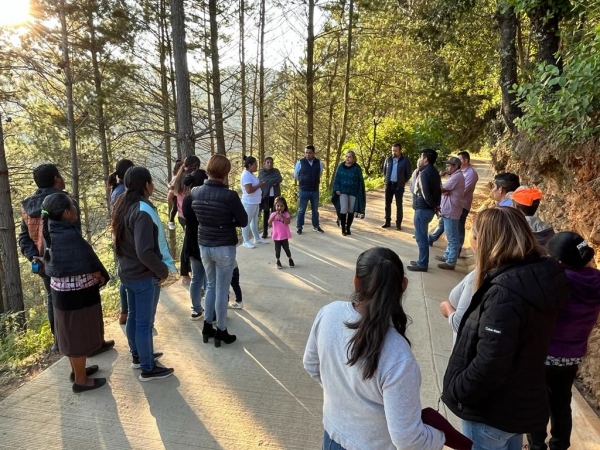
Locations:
{"points": [[349, 223], [223, 335], [208, 331], [343, 222]]}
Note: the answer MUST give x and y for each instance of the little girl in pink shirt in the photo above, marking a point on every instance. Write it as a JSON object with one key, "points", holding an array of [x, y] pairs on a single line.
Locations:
{"points": [[280, 221]]}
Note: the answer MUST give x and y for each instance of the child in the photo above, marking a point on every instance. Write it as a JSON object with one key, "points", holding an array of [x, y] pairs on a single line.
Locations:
{"points": [[280, 221], [76, 275]]}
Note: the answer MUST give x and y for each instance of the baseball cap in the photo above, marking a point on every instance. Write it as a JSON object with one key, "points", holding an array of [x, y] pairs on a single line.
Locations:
{"points": [[525, 195], [454, 161]]}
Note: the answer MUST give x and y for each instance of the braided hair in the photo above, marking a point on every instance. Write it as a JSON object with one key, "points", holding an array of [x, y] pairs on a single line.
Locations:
{"points": [[53, 208]]}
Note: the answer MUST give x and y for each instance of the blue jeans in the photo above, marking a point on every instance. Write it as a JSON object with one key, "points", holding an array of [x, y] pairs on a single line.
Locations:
{"points": [[219, 263], [485, 437], [461, 228], [123, 297], [328, 444], [421, 222], [452, 234], [437, 233], [252, 210], [142, 297], [196, 284], [305, 196]]}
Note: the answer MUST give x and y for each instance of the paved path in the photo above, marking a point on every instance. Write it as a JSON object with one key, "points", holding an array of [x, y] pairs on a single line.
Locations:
{"points": [[255, 392]]}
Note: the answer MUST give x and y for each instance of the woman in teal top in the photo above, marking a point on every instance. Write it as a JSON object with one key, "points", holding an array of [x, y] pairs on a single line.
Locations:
{"points": [[348, 195]]}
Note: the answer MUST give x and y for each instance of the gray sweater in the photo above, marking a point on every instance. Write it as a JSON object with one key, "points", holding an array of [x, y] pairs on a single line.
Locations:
{"points": [[381, 413]]}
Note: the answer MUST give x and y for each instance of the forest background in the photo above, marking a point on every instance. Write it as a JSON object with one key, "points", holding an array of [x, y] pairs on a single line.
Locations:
{"points": [[85, 83]]}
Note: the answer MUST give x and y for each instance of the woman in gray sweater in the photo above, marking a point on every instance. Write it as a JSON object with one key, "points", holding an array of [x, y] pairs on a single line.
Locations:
{"points": [[360, 355]]}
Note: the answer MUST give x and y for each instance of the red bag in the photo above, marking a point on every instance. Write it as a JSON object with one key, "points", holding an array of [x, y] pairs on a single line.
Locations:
{"points": [[454, 439]]}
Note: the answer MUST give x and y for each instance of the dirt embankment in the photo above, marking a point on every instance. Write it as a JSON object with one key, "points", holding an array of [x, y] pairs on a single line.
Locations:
{"points": [[570, 181]]}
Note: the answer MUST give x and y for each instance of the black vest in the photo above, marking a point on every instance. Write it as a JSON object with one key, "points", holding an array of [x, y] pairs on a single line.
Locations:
{"points": [[309, 176]]}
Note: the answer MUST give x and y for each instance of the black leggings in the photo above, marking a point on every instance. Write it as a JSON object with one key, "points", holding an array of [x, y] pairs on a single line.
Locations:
{"points": [[173, 210], [267, 208], [184, 267], [235, 284], [286, 248]]}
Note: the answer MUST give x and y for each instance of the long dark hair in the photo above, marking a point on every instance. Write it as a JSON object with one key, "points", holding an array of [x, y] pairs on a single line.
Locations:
{"points": [[281, 199], [53, 207], [380, 276], [136, 179], [190, 165], [119, 174]]}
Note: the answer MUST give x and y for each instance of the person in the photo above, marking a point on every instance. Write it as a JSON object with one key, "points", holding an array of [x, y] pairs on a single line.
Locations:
{"points": [[219, 211], [237, 289], [458, 302], [191, 249], [568, 345], [503, 186], [348, 194], [471, 179], [359, 353], [76, 275], [171, 198], [527, 200], [271, 189], [397, 172], [453, 192], [178, 190], [251, 199], [144, 264], [494, 379], [426, 202], [117, 189], [280, 221], [308, 172]]}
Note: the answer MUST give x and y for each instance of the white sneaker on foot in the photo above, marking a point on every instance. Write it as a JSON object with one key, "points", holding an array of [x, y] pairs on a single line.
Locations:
{"points": [[236, 305], [248, 245], [260, 241]]}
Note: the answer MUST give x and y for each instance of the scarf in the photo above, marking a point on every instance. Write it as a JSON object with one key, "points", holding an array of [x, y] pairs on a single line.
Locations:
{"points": [[271, 177]]}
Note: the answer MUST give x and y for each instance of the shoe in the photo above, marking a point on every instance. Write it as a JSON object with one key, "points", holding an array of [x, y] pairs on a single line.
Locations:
{"points": [[260, 241], [299, 231], [207, 332], [106, 346], [265, 235], [399, 227], [349, 221], [186, 280], [292, 263], [196, 315], [431, 243], [279, 266], [98, 382], [414, 263], [446, 266], [386, 225], [91, 370], [440, 258], [135, 360], [344, 232], [318, 230], [223, 335], [157, 373], [122, 318], [54, 347], [236, 305], [248, 245], [171, 225], [417, 269]]}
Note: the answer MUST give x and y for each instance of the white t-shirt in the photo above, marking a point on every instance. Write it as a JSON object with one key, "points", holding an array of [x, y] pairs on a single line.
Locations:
{"points": [[249, 178]]}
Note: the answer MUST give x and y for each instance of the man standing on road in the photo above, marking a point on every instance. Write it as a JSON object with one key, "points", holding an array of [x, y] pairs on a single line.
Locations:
{"points": [[426, 202], [397, 171], [471, 179], [452, 207], [308, 172]]}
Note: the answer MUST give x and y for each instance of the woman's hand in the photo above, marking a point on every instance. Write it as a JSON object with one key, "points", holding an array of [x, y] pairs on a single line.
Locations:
{"points": [[338, 193], [161, 281], [446, 308], [98, 276]]}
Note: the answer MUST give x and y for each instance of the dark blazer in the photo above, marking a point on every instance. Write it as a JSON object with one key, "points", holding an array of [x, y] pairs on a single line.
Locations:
{"points": [[428, 189], [404, 170]]}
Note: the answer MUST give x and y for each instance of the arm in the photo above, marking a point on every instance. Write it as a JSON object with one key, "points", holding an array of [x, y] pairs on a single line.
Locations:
{"points": [[272, 217], [297, 170], [279, 178], [471, 179], [26, 244], [401, 386], [426, 190], [311, 353], [336, 180], [145, 245], [321, 173], [384, 166], [286, 218], [407, 170], [240, 216], [251, 189]]}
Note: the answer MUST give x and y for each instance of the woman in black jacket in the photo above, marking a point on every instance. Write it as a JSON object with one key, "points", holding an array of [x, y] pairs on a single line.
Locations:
{"points": [[495, 377], [219, 211]]}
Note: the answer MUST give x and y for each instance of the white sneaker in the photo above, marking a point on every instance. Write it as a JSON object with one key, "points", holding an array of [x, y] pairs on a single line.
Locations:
{"points": [[248, 245], [260, 241], [171, 225], [236, 305]]}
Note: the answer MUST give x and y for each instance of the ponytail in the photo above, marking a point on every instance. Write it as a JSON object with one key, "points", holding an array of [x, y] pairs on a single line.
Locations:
{"points": [[112, 180], [46, 234]]}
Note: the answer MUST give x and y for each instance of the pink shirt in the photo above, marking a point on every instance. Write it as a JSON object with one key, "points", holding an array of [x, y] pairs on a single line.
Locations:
{"points": [[281, 230]]}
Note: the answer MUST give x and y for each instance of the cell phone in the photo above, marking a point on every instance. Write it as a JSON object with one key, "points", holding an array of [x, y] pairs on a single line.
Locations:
{"points": [[35, 267]]}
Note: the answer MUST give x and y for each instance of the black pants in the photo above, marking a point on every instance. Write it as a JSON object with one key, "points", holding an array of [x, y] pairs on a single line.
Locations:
{"points": [[267, 208], [559, 381], [393, 191], [184, 262], [49, 305], [285, 244], [235, 284]]}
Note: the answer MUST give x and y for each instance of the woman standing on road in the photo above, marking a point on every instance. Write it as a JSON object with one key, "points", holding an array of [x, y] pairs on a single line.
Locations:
{"points": [[271, 189], [251, 199], [349, 192]]}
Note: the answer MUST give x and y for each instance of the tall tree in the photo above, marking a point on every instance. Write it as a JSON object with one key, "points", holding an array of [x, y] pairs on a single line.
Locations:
{"points": [[261, 89], [216, 77], [243, 72], [310, 73], [507, 24]]}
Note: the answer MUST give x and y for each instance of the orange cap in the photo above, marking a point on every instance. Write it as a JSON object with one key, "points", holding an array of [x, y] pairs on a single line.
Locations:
{"points": [[526, 195]]}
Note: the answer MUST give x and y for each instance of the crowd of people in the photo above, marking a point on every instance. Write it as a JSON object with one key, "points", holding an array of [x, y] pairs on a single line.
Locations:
{"points": [[520, 319]]}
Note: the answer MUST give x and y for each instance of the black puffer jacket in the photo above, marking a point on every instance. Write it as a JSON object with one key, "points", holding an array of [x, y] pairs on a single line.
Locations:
{"points": [[428, 189], [496, 375], [219, 211]]}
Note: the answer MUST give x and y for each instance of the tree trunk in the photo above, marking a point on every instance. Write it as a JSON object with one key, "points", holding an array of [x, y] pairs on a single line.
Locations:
{"points": [[99, 106], [310, 73], [243, 72], [185, 134], [296, 132], [254, 91], [12, 291], [172, 76], [66, 65], [261, 93], [332, 101], [507, 22], [216, 77], [367, 166], [545, 21], [346, 86]]}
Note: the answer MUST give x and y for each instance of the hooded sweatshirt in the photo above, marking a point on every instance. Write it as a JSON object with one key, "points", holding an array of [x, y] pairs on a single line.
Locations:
{"points": [[542, 231], [576, 320]]}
